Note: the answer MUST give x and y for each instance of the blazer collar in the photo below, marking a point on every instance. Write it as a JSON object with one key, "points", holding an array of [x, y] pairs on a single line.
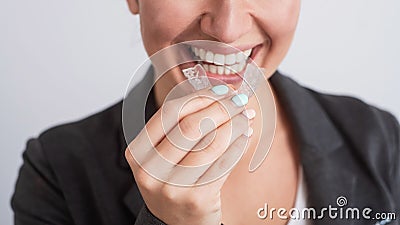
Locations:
{"points": [[137, 101], [317, 138], [313, 127]]}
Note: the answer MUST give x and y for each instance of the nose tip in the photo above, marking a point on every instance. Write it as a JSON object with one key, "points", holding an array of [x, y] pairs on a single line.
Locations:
{"points": [[226, 21]]}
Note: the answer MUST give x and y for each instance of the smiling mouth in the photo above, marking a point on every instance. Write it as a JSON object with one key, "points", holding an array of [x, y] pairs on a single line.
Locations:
{"points": [[224, 67]]}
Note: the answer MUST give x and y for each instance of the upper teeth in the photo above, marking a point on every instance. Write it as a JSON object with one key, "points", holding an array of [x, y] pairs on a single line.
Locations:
{"points": [[234, 61], [220, 59]]}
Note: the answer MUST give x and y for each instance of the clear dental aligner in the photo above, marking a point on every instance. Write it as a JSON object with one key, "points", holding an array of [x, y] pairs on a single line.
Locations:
{"points": [[251, 79], [197, 77]]}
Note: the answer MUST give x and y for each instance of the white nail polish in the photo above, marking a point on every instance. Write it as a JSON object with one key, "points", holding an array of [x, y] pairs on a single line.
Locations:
{"points": [[249, 132], [249, 113]]}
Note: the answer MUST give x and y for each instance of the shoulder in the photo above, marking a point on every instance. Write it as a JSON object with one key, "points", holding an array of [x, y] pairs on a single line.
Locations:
{"points": [[372, 134], [73, 168], [358, 118], [106, 120], [355, 119], [93, 138]]}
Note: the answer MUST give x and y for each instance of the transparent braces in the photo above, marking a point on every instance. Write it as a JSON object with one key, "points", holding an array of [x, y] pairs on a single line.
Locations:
{"points": [[197, 77], [251, 79]]}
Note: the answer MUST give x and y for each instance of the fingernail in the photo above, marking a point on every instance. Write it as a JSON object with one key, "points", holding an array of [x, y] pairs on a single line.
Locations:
{"points": [[240, 100], [249, 132], [249, 113], [220, 89]]}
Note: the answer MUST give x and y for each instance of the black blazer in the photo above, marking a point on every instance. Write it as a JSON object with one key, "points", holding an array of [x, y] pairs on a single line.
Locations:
{"points": [[77, 173]]}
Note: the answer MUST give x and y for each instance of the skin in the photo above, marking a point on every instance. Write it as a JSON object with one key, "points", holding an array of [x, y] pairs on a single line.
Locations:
{"points": [[242, 24]]}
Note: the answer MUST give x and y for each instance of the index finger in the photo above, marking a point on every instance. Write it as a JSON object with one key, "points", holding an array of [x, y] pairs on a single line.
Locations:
{"points": [[166, 118]]}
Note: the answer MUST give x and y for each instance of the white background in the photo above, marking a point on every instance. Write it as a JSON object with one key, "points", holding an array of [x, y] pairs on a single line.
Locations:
{"points": [[62, 60]]}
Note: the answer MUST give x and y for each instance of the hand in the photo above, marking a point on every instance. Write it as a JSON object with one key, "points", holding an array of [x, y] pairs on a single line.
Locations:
{"points": [[215, 149]]}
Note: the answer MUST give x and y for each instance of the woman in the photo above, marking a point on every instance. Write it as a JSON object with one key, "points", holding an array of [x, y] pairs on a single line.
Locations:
{"points": [[81, 173]]}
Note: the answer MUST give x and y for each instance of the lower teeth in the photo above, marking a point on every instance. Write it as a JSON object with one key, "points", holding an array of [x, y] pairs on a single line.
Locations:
{"points": [[224, 70]]}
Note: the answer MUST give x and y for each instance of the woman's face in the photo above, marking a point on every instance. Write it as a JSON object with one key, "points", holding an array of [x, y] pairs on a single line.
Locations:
{"points": [[264, 29]]}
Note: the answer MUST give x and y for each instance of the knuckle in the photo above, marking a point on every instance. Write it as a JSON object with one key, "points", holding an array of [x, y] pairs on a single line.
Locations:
{"points": [[194, 203], [168, 194], [207, 155], [169, 108], [189, 126], [199, 100], [237, 148], [223, 164], [128, 155], [217, 145], [129, 158], [141, 177], [144, 181], [203, 101], [220, 108], [212, 150]]}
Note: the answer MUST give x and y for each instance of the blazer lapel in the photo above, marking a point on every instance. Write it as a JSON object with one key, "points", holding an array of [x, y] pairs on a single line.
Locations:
{"points": [[330, 171], [134, 119]]}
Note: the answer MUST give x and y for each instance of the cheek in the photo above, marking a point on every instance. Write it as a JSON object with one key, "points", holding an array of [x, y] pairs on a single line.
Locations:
{"points": [[279, 20], [162, 21]]}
